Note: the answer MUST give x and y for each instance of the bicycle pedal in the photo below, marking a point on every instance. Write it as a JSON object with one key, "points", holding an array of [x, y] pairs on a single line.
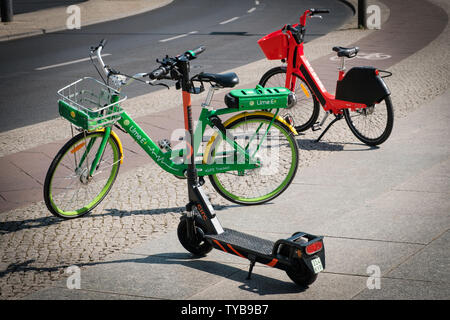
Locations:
{"points": [[164, 144], [316, 127]]}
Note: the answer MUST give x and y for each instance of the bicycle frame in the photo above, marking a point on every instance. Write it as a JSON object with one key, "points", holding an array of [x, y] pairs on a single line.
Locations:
{"points": [[166, 159], [298, 64]]}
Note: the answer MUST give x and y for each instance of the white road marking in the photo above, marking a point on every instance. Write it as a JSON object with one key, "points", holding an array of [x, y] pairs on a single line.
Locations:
{"points": [[251, 10], [69, 62], [229, 20], [257, 2], [179, 36]]}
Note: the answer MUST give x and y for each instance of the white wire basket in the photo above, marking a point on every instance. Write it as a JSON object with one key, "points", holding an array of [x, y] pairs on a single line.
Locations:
{"points": [[90, 104]]}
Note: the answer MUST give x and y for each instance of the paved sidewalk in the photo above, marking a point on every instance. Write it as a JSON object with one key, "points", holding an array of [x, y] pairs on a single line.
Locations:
{"points": [[36, 248], [397, 220], [91, 11]]}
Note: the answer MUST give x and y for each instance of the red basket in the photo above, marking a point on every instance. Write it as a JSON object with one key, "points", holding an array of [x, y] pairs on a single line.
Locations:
{"points": [[274, 45]]}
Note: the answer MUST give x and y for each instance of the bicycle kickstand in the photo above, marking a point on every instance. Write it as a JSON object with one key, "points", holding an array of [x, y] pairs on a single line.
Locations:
{"points": [[337, 117]]}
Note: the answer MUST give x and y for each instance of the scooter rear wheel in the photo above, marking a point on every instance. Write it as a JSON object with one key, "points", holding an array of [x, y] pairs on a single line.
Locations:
{"points": [[299, 273]]}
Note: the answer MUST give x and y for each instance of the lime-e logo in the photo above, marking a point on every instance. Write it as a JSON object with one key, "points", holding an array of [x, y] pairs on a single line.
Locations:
{"points": [[266, 102]]}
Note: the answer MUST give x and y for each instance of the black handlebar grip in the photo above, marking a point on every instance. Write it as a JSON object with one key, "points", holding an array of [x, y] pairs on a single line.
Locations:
{"points": [[192, 54], [155, 74], [199, 50], [314, 11], [102, 43]]}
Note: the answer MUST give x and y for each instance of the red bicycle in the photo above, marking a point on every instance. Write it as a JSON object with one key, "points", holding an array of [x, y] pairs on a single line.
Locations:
{"points": [[362, 97]]}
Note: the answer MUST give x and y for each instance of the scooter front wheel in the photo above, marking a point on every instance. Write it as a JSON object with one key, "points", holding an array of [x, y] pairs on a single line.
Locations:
{"points": [[198, 246]]}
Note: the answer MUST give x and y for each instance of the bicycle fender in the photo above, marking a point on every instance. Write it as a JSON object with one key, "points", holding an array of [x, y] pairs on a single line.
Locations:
{"points": [[261, 113], [362, 85], [115, 136]]}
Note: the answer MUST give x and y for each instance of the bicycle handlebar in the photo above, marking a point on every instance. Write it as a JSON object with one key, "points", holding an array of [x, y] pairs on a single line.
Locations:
{"points": [[310, 13], [314, 11], [103, 43], [158, 73], [195, 52], [167, 64]]}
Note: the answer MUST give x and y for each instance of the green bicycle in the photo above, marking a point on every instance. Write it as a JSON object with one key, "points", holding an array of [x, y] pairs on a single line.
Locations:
{"points": [[250, 158]]}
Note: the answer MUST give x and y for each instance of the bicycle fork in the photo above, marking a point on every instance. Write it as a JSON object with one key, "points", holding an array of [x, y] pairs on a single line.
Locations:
{"points": [[98, 156]]}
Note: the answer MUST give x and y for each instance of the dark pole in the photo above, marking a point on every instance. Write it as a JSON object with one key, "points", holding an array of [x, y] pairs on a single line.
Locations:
{"points": [[6, 8], [362, 14]]}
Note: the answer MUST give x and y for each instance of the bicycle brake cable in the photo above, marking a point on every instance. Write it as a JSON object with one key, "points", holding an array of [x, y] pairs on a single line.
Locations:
{"points": [[144, 81], [98, 71]]}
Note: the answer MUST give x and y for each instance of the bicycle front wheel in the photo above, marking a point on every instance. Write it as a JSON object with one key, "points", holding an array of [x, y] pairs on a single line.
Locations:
{"points": [[307, 109], [373, 124], [69, 190], [273, 145]]}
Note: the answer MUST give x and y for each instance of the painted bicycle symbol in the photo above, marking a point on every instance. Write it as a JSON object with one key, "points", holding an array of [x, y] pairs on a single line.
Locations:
{"points": [[368, 56]]}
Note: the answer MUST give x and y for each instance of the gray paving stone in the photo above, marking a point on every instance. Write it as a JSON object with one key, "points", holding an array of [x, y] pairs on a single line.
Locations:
{"points": [[430, 264], [165, 276], [399, 289], [274, 284], [415, 218], [78, 294]]}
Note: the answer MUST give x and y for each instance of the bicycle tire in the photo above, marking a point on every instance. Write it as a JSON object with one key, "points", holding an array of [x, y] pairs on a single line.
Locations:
{"points": [[260, 185], [57, 196], [307, 109], [359, 120]]}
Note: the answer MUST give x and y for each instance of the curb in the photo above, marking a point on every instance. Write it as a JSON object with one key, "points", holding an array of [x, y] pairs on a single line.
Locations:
{"points": [[352, 4]]}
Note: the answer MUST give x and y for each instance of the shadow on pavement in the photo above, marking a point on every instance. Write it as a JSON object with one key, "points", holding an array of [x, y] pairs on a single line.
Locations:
{"points": [[258, 284], [312, 144], [18, 225]]}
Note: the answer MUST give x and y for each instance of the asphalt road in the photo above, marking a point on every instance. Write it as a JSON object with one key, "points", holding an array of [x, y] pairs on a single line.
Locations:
{"points": [[30, 75]]}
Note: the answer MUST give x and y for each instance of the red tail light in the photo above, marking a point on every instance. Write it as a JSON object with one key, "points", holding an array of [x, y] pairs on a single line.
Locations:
{"points": [[314, 247], [377, 72]]}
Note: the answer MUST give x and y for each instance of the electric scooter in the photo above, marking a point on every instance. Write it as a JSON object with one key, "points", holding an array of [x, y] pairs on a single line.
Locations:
{"points": [[302, 255]]}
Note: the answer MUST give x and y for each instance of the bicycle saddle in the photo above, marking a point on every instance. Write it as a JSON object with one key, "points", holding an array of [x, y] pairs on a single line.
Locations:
{"points": [[225, 80], [346, 52]]}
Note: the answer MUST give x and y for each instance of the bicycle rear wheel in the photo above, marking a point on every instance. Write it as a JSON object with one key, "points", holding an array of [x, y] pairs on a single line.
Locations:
{"points": [[372, 125], [277, 152], [69, 190]]}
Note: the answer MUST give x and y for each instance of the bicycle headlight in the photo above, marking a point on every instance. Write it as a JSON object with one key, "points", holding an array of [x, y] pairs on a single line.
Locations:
{"points": [[292, 100]]}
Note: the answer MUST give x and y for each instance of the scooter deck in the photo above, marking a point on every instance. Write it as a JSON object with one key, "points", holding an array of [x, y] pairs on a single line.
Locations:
{"points": [[232, 240]]}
